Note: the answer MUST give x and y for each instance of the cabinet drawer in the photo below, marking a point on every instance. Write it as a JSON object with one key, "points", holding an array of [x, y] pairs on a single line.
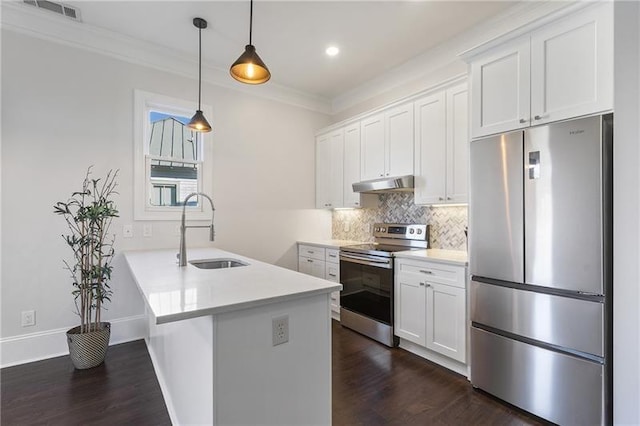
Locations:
{"points": [[332, 255], [332, 272], [434, 272], [311, 251]]}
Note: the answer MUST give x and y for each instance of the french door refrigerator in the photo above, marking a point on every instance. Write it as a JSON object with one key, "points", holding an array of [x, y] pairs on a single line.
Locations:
{"points": [[540, 222]]}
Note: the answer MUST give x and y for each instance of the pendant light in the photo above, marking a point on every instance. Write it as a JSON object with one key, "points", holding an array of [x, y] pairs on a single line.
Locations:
{"points": [[249, 68], [198, 122]]}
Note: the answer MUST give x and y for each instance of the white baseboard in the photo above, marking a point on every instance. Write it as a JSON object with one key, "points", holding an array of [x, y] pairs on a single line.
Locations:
{"points": [[442, 360], [52, 343]]}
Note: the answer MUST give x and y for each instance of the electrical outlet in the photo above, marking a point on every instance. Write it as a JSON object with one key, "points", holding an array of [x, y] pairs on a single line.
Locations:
{"points": [[147, 230], [127, 231], [28, 318], [280, 329]]}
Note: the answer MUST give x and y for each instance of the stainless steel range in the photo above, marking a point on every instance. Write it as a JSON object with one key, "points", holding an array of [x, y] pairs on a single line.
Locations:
{"points": [[366, 274]]}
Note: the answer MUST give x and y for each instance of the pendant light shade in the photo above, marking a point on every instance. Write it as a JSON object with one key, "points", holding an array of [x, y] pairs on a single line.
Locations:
{"points": [[249, 68], [198, 122]]}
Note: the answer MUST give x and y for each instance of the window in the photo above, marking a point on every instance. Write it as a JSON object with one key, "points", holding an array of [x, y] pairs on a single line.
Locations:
{"points": [[171, 160]]}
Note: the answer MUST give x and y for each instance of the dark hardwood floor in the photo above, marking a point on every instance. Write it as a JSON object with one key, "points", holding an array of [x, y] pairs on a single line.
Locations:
{"points": [[376, 385], [122, 391], [372, 385]]}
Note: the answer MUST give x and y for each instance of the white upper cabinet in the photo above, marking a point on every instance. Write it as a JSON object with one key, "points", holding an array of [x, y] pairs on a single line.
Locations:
{"points": [[500, 84], [329, 169], [457, 145], [372, 147], [572, 66], [351, 164], [399, 140], [561, 70], [387, 143], [430, 149], [442, 147]]}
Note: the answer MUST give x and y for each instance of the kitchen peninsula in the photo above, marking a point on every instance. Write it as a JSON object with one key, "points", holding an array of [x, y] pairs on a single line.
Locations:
{"points": [[213, 339]]}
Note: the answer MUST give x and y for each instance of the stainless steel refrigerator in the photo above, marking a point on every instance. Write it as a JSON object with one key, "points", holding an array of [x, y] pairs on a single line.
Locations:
{"points": [[540, 223]]}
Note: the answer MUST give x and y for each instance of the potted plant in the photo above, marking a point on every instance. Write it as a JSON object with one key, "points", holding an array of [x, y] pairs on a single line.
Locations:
{"points": [[88, 214]]}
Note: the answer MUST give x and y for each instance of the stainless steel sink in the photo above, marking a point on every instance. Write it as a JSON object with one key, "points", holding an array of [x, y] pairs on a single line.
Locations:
{"points": [[217, 263]]}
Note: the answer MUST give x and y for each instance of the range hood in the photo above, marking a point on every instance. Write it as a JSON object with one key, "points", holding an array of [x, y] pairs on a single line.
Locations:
{"points": [[389, 184]]}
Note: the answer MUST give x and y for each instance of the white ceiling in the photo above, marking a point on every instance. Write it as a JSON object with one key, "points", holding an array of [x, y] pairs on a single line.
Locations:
{"points": [[291, 36]]}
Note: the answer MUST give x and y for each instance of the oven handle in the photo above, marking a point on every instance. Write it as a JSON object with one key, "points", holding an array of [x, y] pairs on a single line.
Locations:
{"points": [[386, 263]]}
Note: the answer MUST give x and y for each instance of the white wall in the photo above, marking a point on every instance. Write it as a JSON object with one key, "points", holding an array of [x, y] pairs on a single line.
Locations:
{"points": [[626, 248], [64, 109]]}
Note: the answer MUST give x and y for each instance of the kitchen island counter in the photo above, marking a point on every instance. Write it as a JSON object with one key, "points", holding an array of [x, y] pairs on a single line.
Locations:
{"points": [[230, 345], [175, 293]]}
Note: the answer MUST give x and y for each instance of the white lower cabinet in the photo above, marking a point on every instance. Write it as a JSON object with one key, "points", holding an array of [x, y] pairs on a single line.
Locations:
{"points": [[430, 306], [321, 262]]}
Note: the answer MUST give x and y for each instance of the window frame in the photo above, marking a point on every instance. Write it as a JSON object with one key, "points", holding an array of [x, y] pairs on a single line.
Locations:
{"points": [[144, 103]]}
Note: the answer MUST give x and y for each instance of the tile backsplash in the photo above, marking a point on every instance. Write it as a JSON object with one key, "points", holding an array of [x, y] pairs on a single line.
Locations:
{"points": [[447, 223]]}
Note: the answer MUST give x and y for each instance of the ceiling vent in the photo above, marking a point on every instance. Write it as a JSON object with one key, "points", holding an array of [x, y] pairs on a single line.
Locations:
{"points": [[59, 8]]}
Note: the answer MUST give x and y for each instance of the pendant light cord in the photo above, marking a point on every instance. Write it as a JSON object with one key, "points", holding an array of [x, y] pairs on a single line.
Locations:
{"points": [[199, 66], [250, 21]]}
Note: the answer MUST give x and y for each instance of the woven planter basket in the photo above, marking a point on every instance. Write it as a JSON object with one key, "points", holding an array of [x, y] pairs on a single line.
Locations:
{"points": [[88, 350]]}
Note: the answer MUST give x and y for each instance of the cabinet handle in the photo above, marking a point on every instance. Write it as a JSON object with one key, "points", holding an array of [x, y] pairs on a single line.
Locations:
{"points": [[382, 174], [421, 283], [356, 203], [448, 198], [440, 198], [539, 117], [425, 271], [332, 275], [387, 174], [310, 260], [522, 121], [429, 285], [332, 255]]}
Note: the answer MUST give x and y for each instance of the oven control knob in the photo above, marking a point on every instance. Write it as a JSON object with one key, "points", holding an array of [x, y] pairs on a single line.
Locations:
{"points": [[377, 229], [411, 231], [383, 229], [419, 231]]}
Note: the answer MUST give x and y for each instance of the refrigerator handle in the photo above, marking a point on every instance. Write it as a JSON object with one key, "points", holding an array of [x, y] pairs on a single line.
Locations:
{"points": [[534, 165]]}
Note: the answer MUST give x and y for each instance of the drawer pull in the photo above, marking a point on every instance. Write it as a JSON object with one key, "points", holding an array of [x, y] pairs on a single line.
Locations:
{"points": [[310, 260], [332, 255], [424, 271], [421, 283], [310, 252], [332, 275]]}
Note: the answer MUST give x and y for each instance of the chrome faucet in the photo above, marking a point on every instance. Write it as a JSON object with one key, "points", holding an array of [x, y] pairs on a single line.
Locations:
{"points": [[182, 255]]}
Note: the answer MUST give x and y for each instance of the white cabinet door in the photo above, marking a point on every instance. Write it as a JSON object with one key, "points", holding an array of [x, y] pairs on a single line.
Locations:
{"points": [[329, 169], [410, 308], [399, 140], [323, 159], [336, 155], [304, 265], [430, 143], [351, 164], [446, 320], [457, 145], [500, 86], [572, 66], [372, 153], [317, 268]]}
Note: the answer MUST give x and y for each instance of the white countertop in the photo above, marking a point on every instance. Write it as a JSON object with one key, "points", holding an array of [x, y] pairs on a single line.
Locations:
{"points": [[452, 257], [175, 293], [331, 243]]}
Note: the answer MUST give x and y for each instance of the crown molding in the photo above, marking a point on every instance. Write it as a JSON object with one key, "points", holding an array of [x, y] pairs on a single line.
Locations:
{"points": [[24, 19], [446, 54]]}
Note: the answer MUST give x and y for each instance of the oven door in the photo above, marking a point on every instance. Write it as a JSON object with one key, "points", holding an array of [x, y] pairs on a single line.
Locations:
{"points": [[367, 286]]}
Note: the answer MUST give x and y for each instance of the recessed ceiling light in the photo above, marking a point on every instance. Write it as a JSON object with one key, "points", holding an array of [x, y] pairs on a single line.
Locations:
{"points": [[332, 51]]}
